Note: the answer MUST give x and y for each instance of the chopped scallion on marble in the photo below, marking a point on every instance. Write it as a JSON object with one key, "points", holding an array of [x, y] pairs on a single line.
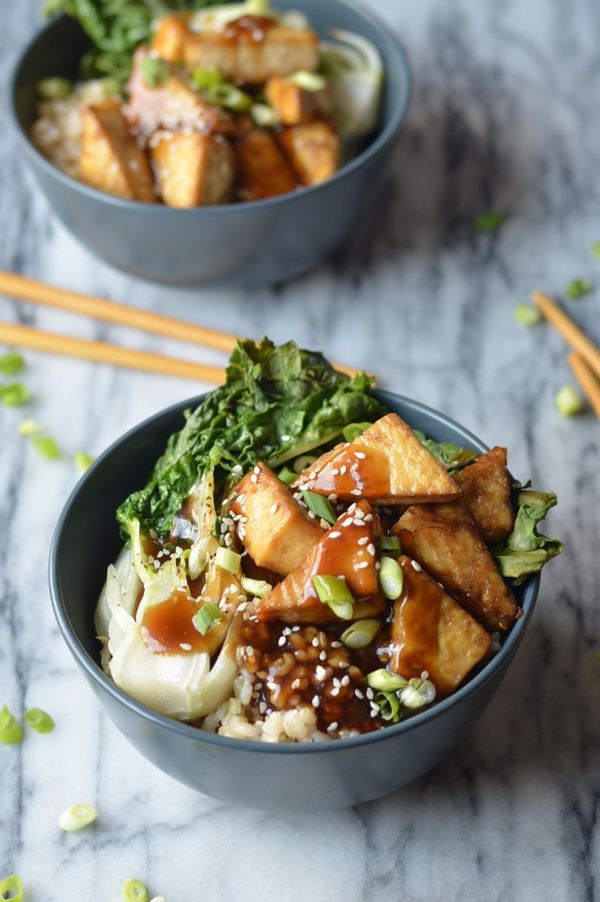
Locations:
{"points": [[11, 363], [596, 249], [577, 288], [82, 461], [29, 427], [46, 447], [489, 222], [11, 731], [528, 315], [77, 817], [40, 720], [14, 394], [134, 891], [12, 888], [568, 403], [54, 88]]}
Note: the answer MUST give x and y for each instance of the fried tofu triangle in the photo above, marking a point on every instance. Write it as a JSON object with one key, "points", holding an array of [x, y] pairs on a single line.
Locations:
{"points": [[276, 532], [348, 550], [110, 158], [485, 493], [431, 632], [193, 169], [444, 539], [387, 464]]}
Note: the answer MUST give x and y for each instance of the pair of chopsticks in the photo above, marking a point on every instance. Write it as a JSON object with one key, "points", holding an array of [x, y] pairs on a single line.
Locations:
{"points": [[24, 289], [584, 358]]}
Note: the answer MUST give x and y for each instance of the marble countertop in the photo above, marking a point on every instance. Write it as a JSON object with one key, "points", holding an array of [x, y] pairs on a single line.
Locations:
{"points": [[504, 117]]}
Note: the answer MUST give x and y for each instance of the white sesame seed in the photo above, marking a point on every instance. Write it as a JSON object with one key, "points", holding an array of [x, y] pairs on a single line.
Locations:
{"points": [[316, 701], [368, 518], [228, 539], [356, 492], [332, 497], [359, 513], [335, 534], [296, 684], [287, 631], [185, 646], [320, 672], [332, 726], [262, 707], [178, 550], [345, 681], [256, 470], [335, 691], [312, 474], [324, 524], [377, 565], [348, 522], [241, 498], [335, 472], [370, 694], [281, 641], [344, 664], [371, 549], [361, 566], [273, 509], [322, 656], [354, 467], [336, 644], [360, 454], [315, 642], [425, 675], [254, 478], [363, 540], [285, 438], [249, 650], [343, 470], [358, 693], [416, 566], [312, 515], [336, 682]]}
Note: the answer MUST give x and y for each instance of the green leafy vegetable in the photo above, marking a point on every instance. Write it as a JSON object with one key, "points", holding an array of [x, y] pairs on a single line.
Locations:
{"points": [[277, 403], [11, 363], [453, 457], [526, 551], [577, 288], [14, 394], [489, 222]]}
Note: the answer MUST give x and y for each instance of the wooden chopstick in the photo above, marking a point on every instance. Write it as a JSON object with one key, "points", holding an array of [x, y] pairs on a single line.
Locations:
{"points": [[23, 288], [572, 334], [100, 352], [588, 382]]}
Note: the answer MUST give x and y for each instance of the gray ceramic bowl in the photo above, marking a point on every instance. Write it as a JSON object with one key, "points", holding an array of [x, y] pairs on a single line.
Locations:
{"points": [[272, 777], [248, 244]]}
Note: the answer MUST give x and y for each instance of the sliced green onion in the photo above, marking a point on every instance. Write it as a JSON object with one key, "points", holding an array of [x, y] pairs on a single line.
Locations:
{"points": [[577, 288], [228, 560], [302, 463], [29, 427], [286, 475], [353, 430], [207, 615], [360, 634], [54, 88], [11, 363], [385, 680], [11, 731], [12, 888], [389, 706], [39, 720], [596, 249], [46, 446], [77, 817], [257, 587], [264, 115], [568, 402], [528, 315], [319, 506], [134, 891], [14, 394], [83, 461], [308, 81], [391, 578], [489, 222], [333, 591], [206, 78], [154, 71], [228, 96], [418, 693], [390, 543]]}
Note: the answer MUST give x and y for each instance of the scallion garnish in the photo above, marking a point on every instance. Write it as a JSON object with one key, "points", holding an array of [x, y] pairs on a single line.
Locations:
{"points": [[11, 731], [77, 817], [46, 446], [154, 71], [333, 591], [389, 543], [228, 560], [568, 403], [320, 506], [308, 81], [391, 577], [286, 475], [577, 288], [385, 680], [596, 249], [264, 115], [360, 634], [14, 394], [257, 587], [54, 88], [489, 222], [29, 427], [528, 315], [11, 363], [206, 78], [418, 693], [134, 891], [228, 96], [208, 614], [389, 706], [12, 888], [83, 461], [39, 720], [302, 463], [353, 430]]}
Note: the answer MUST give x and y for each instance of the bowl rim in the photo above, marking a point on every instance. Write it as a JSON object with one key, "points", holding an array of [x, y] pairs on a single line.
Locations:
{"points": [[94, 671], [382, 139]]}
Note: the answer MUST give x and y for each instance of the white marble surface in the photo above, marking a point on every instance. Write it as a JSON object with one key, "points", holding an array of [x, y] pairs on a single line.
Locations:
{"points": [[504, 116]]}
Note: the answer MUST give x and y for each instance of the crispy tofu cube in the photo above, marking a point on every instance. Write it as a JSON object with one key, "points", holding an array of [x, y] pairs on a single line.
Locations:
{"points": [[262, 169], [431, 632], [172, 105], [444, 539], [251, 52], [313, 150], [110, 158], [193, 169], [387, 464], [486, 490], [294, 104], [347, 549], [170, 37], [276, 532]]}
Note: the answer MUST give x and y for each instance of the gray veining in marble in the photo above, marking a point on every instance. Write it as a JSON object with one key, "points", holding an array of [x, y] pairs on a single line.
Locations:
{"points": [[504, 117]]}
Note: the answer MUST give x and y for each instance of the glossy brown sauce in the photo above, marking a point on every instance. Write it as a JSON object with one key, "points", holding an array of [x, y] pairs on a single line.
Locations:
{"points": [[248, 29], [346, 474], [168, 625], [415, 638]]}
